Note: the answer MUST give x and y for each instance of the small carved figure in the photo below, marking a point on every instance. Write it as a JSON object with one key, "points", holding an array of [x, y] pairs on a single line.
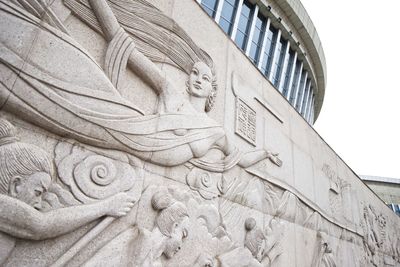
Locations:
{"points": [[373, 232], [25, 176], [142, 247], [170, 224], [264, 246], [323, 255], [260, 248], [204, 260]]}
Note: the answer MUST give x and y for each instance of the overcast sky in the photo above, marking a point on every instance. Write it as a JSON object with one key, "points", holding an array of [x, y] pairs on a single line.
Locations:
{"points": [[360, 115]]}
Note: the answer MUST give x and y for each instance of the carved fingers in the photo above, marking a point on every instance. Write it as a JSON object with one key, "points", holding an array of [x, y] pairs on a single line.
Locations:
{"points": [[119, 205], [275, 159]]}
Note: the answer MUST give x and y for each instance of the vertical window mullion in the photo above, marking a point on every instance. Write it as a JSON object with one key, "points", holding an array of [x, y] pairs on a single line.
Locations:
{"points": [[297, 85], [285, 63], [308, 102], [302, 88], [266, 66], [274, 57], [310, 115], [288, 73], [237, 18], [251, 33], [312, 110], [396, 208], [227, 17], [210, 6], [281, 50], [289, 92], [264, 43], [308, 105], [257, 39], [219, 11], [244, 25], [305, 99]]}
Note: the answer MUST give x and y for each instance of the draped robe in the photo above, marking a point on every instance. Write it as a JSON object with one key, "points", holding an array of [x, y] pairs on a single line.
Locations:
{"points": [[50, 80]]}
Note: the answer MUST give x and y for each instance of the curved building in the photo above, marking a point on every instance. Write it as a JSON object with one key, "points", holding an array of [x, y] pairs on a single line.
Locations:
{"points": [[280, 39], [174, 133]]}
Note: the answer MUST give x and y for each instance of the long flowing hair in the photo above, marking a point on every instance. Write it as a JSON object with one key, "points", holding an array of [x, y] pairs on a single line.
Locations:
{"points": [[156, 35]]}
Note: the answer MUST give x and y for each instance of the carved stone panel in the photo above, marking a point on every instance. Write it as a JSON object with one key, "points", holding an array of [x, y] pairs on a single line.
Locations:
{"points": [[246, 123], [109, 155]]}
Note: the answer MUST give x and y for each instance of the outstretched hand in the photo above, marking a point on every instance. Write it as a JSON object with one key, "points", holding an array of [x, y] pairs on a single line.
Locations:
{"points": [[273, 157], [119, 204]]}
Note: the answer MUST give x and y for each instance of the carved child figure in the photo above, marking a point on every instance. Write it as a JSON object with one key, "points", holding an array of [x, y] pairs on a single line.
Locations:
{"points": [[169, 232], [264, 246], [261, 247], [323, 255], [25, 176], [138, 246]]}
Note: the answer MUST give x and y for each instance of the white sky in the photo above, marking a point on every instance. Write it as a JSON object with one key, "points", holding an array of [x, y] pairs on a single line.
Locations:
{"points": [[360, 115]]}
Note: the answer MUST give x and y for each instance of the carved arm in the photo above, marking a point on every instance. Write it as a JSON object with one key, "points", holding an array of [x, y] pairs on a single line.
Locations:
{"points": [[137, 62], [23, 221], [249, 158]]}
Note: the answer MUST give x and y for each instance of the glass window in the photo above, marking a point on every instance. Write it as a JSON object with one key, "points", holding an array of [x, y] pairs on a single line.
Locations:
{"points": [[288, 72], [272, 35], [210, 6], [281, 50], [296, 79], [300, 92], [396, 209], [311, 118], [244, 25], [228, 15], [306, 94], [309, 103], [258, 36]]}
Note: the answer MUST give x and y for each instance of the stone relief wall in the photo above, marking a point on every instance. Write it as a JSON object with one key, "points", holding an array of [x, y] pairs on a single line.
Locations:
{"points": [[89, 176]]}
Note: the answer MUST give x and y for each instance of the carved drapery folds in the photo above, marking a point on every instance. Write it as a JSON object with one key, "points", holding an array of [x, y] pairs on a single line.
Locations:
{"points": [[97, 181], [265, 246], [374, 226], [323, 253]]}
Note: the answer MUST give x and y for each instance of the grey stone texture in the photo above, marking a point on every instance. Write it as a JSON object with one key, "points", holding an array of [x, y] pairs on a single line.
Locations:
{"points": [[135, 133]]}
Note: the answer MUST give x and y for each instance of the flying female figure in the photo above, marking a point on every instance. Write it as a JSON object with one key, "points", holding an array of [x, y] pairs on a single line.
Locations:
{"points": [[66, 92]]}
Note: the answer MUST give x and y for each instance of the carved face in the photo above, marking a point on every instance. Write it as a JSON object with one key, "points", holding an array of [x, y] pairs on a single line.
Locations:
{"points": [[30, 189], [200, 80], [174, 242]]}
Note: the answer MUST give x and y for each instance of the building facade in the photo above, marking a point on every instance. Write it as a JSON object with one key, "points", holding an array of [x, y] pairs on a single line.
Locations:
{"points": [[388, 189], [174, 133], [274, 45]]}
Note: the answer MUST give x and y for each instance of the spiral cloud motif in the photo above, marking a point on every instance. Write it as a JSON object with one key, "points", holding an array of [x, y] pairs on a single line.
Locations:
{"points": [[92, 177]]}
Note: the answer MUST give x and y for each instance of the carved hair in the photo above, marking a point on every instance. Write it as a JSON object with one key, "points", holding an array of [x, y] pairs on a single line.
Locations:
{"points": [[211, 98], [17, 158], [254, 237], [249, 224], [171, 212], [156, 35]]}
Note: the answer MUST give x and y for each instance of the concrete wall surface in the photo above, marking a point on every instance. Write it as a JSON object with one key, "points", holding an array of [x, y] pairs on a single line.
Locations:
{"points": [[136, 133]]}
